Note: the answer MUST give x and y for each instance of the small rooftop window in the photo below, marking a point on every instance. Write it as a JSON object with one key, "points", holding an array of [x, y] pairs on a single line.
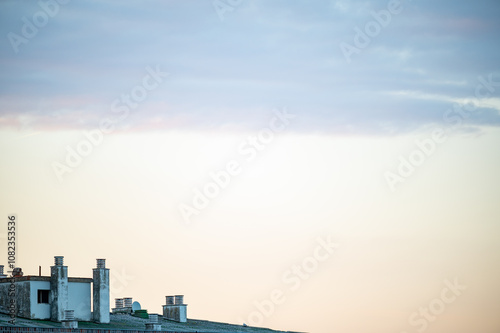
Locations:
{"points": [[43, 296]]}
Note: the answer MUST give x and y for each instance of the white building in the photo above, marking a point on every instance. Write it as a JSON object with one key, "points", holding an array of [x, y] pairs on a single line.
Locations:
{"points": [[47, 297]]}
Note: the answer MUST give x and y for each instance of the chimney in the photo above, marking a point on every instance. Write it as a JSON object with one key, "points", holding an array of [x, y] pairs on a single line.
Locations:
{"points": [[17, 272], [179, 299], [127, 302], [175, 309], [58, 289], [101, 263], [2, 275], [118, 303], [153, 318], [101, 292], [59, 260], [153, 325]]}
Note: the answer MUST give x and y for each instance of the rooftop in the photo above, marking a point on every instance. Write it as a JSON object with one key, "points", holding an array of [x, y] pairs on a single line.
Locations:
{"points": [[44, 278], [121, 321]]}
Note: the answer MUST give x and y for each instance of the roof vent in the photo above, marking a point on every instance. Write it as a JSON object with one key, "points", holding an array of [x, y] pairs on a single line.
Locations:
{"points": [[58, 260], [101, 263]]}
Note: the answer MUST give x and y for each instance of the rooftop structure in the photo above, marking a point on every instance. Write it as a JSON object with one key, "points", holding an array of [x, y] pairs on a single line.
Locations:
{"points": [[54, 297]]}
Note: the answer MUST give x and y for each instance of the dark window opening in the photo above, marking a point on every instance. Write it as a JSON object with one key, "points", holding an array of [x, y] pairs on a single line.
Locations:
{"points": [[43, 296]]}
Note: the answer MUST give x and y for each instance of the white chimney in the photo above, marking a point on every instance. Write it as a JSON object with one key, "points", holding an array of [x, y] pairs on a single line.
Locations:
{"points": [[58, 289], [101, 292]]}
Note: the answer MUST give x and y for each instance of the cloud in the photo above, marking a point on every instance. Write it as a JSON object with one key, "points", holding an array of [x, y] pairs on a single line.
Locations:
{"points": [[264, 55]]}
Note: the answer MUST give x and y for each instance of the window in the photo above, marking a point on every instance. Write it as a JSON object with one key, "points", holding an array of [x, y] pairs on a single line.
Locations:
{"points": [[43, 296]]}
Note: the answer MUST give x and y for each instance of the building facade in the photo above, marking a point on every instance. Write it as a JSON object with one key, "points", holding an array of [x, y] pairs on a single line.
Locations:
{"points": [[48, 297]]}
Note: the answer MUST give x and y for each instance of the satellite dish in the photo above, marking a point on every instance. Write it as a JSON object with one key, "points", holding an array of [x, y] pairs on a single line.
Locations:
{"points": [[136, 306]]}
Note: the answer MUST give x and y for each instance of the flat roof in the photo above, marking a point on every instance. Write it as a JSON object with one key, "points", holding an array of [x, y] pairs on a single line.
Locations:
{"points": [[45, 278]]}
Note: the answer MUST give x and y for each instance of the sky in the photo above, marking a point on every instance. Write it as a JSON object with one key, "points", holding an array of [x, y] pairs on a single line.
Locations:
{"points": [[313, 166]]}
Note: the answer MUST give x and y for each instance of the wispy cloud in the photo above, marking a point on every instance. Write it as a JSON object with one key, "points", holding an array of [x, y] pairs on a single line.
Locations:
{"points": [[263, 55]]}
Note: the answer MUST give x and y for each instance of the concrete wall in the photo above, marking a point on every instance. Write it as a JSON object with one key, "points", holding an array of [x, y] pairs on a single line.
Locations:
{"points": [[22, 298], [4, 296], [79, 300], [175, 312], [39, 311]]}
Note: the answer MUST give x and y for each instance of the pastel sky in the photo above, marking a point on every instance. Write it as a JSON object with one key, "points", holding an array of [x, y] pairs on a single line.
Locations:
{"points": [[215, 148]]}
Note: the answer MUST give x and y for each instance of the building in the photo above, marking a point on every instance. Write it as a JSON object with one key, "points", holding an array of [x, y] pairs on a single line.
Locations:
{"points": [[175, 309], [53, 297]]}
